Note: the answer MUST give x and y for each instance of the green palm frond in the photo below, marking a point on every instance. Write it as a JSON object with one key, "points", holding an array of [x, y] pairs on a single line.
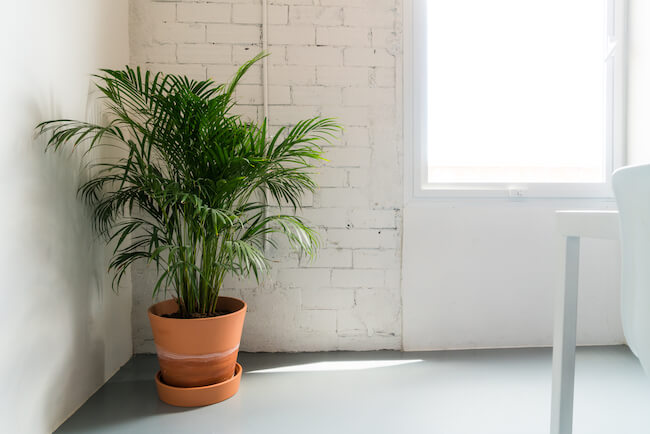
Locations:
{"points": [[189, 191]]}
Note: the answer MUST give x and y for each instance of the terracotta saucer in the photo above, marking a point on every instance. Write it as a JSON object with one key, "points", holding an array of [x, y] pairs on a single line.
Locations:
{"points": [[198, 396]]}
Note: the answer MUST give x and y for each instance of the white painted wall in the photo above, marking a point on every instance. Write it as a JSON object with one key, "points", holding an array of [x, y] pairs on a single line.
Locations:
{"points": [[475, 274], [338, 58], [63, 331], [483, 274]]}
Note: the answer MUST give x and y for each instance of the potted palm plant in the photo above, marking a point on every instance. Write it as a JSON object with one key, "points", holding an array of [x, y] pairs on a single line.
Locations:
{"points": [[191, 193]]}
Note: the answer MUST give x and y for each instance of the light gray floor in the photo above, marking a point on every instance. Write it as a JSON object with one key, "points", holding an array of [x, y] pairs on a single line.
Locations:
{"points": [[465, 392]]}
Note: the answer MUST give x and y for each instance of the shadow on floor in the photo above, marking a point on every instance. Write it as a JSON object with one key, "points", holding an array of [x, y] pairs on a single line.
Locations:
{"points": [[134, 391]]}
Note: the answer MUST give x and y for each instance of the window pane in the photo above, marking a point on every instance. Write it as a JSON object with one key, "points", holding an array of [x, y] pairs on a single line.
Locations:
{"points": [[516, 91]]}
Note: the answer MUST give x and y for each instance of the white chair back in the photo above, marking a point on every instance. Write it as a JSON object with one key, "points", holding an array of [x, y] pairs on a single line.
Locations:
{"points": [[632, 190]]}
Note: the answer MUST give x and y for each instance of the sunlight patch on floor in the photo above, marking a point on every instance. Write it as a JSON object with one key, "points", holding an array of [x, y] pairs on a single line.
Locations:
{"points": [[337, 366]]}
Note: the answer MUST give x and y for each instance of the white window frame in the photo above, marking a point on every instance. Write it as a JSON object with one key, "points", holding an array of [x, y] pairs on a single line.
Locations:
{"points": [[415, 118]]}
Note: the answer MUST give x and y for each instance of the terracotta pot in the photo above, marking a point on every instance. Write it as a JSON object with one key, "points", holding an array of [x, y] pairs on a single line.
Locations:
{"points": [[198, 351]]}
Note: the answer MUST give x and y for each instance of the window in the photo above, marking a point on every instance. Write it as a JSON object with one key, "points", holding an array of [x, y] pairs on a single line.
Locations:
{"points": [[516, 97]]}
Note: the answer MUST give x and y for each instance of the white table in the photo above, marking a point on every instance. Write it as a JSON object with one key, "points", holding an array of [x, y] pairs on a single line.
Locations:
{"points": [[572, 225]]}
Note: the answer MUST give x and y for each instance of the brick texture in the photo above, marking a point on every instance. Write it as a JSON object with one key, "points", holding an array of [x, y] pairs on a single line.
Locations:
{"points": [[336, 58]]}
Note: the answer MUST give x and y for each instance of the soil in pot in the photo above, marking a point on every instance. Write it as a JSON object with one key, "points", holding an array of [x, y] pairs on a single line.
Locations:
{"points": [[179, 315]]}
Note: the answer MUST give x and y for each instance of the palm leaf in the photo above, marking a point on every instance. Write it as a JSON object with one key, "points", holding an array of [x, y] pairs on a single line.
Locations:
{"points": [[188, 191]]}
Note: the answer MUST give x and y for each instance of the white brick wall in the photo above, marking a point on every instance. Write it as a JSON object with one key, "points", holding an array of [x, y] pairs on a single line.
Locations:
{"points": [[338, 58]]}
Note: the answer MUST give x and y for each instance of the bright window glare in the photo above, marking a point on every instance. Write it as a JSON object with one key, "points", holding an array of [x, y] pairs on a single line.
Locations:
{"points": [[337, 366], [516, 91]]}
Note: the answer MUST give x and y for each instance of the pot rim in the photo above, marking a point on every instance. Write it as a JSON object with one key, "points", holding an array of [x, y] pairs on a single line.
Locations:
{"points": [[244, 307]]}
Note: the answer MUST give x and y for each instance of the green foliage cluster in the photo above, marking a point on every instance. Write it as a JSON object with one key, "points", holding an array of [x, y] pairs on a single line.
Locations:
{"points": [[192, 189]]}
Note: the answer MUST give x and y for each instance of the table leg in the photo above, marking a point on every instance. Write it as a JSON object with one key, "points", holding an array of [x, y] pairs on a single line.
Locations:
{"points": [[564, 341]]}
